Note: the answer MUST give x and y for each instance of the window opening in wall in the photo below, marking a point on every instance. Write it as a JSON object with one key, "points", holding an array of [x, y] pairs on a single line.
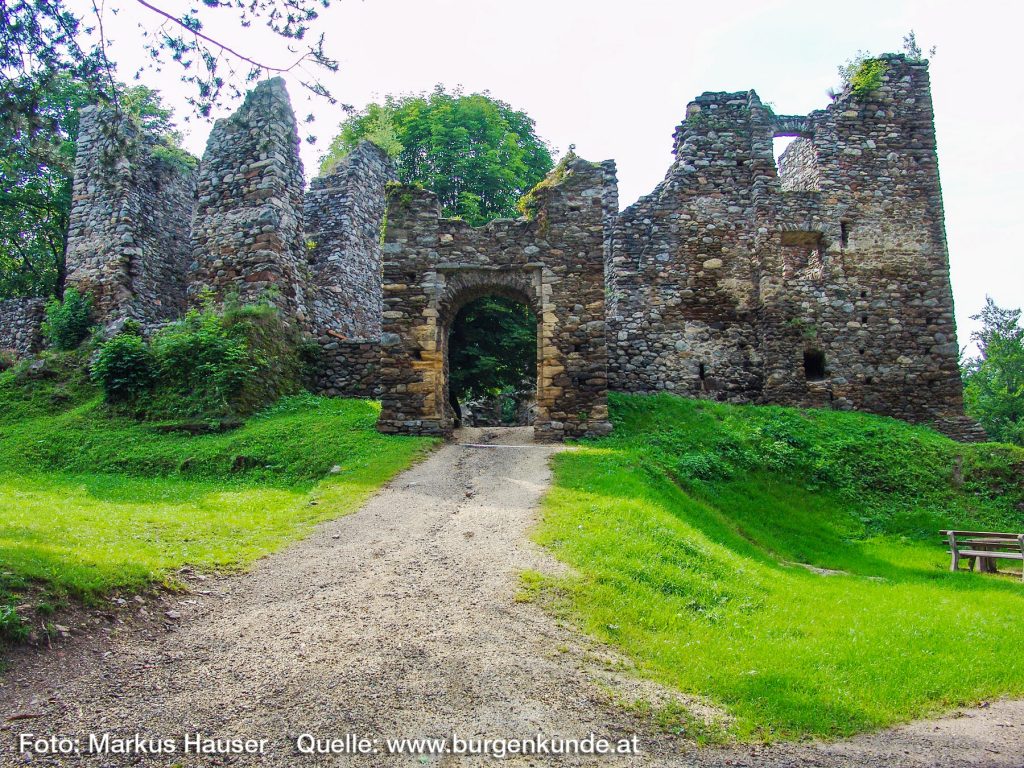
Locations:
{"points": [[702, 371], [814, 365], [796, 163], [864, 319], [863, 294], [802, 253], [844, 239]]}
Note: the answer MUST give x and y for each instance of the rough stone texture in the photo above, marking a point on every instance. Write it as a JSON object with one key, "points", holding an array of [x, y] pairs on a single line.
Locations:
{"points": [[349, 368], [823, 282], [247, 233], [343, 215], [727, 276], [553, 263], [128, 237], [20, 321]]}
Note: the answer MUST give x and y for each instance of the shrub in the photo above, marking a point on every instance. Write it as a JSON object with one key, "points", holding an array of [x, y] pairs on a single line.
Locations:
{"points": [[867, 77], [68, 322], [8, 360], [211, 365], [124, 368]]}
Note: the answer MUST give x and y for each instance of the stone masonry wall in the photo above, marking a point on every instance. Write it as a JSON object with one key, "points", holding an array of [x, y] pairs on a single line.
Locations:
{"points": [[128, 237], [553, 263], [733, 283], [247, 232], [20, 321], [343, 214], [349, 368], [821, 282]]}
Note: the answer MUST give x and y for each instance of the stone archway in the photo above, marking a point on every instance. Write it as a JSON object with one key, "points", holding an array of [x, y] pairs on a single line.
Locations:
{"points": [[554, 263], [463, 286]]}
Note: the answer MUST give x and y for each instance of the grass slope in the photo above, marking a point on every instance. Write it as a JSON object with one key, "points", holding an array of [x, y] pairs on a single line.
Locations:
{"points": [[688, 526], [91, 503]]}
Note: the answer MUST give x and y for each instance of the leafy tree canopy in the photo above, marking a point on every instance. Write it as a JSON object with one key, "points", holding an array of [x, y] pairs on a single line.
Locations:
{"points": [[37, 155], [492, 348], [994, 380], [476, 153], [42, 40]]}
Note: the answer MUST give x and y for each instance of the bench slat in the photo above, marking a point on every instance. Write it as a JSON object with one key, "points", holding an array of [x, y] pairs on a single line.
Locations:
{"points": [[990, 553]]}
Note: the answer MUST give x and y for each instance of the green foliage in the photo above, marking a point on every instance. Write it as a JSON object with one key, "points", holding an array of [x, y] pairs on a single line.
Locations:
{"points": [[210, 365], [125, 368], [68, 321], [529, 204], [42, 41], [867, 77], [786, 565], [37, 157], [492, 348], [912, 48], [994, 380], [476, 153], [91, 501]]}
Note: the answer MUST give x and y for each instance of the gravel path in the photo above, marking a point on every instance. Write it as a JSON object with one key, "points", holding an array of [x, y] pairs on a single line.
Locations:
{"points": [[401, 621]]}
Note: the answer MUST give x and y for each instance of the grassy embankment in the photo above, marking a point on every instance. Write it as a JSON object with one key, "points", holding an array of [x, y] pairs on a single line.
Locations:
{"points": [[691, 530], [91, 502]]}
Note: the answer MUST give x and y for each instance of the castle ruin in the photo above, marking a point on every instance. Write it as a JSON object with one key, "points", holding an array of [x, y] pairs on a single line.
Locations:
{"points": [[821, 281]]}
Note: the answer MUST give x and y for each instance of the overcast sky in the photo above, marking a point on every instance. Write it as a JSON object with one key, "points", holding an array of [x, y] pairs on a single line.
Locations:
{"points": [[614, 79]]}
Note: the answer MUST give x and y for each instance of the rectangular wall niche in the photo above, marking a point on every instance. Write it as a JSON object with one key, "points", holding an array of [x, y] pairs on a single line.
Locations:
{"points": [[802, 254], [814, 365]]}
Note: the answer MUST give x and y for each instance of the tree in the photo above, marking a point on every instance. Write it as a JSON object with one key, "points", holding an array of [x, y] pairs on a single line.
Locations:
{"points": [[492, 348], [37, 168], [994, 380], [42, 40], [476, 153]]}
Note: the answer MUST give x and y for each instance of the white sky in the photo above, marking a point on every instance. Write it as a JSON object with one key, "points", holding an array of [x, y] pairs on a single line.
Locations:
{"points": [[614, 79]]}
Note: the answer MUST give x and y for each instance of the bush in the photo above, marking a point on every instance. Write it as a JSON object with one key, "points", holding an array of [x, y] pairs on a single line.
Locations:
{"points": [[868, 77], [68, 322], [8, 360], [209, 365], [124, 368]]}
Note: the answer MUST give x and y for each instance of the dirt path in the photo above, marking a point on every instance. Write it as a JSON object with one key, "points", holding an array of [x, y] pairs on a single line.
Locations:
{"points": [[401, 621]]}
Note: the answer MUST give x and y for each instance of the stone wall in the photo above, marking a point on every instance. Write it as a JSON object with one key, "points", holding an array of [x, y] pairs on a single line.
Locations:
{"points": [[343, 215], [20, 321], [247, 232], [733, 283], [349, 368], [553, 263], [128, 237], [821, 282]]}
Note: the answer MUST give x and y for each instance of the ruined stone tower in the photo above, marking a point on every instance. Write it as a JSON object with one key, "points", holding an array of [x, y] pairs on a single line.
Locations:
{"points": [[821, 282], [128, 239], [247, 231]]}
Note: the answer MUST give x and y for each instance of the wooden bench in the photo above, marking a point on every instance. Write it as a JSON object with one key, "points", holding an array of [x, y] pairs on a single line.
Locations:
{"points": [[985, 547]]}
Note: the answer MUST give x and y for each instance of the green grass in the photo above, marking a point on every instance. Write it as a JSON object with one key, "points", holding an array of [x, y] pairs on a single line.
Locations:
{"points": [[687, 529], [91, 503]]}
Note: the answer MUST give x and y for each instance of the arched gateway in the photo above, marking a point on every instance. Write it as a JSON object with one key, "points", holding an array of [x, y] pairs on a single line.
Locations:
{"points": [[552, 262]]}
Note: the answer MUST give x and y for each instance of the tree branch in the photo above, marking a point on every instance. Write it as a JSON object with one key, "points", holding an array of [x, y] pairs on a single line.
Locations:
{"points": [[219, 44]]}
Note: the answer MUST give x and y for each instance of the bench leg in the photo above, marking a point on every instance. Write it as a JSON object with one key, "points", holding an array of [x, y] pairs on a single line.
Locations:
{"points": [[954, 562], [970, 563]]}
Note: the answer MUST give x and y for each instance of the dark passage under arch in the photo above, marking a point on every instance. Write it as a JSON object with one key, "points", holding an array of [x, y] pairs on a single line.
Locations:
{"points": [[492, 363]]}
